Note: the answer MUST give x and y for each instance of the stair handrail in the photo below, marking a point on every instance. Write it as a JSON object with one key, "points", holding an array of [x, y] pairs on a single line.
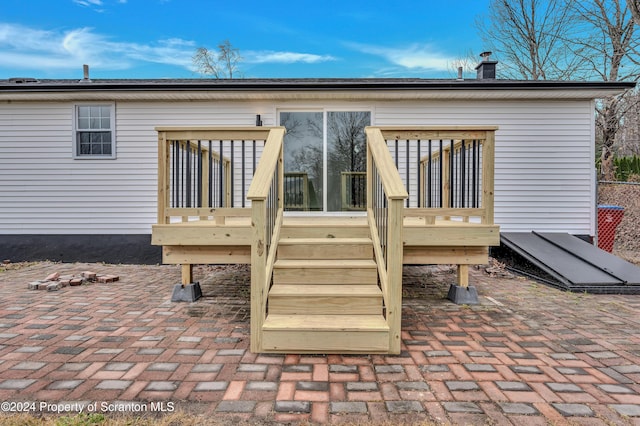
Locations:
{"points": [[385, 198], [267, 208]]}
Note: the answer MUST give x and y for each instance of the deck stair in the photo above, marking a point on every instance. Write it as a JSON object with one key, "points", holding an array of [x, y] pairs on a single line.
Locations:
{"points": [[325, 296]]}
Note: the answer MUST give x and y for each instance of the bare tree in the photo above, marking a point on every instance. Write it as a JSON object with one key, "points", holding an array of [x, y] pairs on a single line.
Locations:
{"points": [[467, 62], [348, 141], [610, 51], [628, 138], [565, 39], [531, 38], [634, 7], [222, 63]]}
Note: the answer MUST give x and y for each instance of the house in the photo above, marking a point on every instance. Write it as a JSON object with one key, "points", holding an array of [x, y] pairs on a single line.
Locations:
{"points": [[335, 182]]}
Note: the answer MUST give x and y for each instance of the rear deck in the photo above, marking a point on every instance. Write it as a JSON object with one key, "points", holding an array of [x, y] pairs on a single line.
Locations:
{"points": [[326, 284]]}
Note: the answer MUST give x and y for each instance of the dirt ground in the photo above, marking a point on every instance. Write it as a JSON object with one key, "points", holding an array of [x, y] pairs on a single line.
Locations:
{"points": [[627, 239]]}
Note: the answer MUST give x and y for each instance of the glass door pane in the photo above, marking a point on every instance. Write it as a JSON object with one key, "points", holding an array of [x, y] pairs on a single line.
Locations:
{"points": [[346, 160], [303, 161]]}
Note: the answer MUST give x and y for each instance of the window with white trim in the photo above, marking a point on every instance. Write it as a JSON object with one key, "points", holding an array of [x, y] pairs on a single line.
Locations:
{"points": [[94, 131]]}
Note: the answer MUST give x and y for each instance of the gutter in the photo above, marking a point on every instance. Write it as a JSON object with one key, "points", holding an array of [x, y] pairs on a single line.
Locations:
{"points": [[31, 90], [305, 85]]}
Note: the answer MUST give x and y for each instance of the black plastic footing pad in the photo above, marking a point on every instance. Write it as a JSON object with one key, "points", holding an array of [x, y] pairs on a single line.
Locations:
{"points": [[187, 293], [463, 295]]}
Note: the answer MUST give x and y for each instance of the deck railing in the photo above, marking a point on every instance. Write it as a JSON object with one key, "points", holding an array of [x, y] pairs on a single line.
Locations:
{"points": [[195, 170], [448, 170], [205, 169], [453, 181], [353, 190], [267, 206], [296, 191], [385, 198]]}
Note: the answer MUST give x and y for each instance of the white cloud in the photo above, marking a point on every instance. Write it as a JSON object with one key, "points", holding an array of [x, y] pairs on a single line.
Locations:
{"points": [[31, 48], [88, 3], [96, 5], [413, 57], [49, 51], [262, 57]]}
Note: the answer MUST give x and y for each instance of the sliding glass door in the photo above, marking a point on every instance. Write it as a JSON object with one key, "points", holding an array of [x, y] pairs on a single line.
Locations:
{"points": [[303, 161], [325, 160]]}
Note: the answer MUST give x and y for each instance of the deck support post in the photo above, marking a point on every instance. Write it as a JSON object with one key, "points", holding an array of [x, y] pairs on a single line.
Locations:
{"points": [[462, 293], [187, 273], [163, 178], [488, 167], [463, 276]]}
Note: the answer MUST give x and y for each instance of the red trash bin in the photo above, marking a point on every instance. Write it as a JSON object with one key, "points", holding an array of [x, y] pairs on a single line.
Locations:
{"points": [[609, 217]]}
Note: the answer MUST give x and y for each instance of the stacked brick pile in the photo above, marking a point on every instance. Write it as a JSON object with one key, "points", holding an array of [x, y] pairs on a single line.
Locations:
{"points": [[55, 282]]}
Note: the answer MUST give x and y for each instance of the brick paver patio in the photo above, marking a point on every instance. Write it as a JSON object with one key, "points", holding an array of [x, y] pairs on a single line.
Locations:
{"points": [[528, 354]]}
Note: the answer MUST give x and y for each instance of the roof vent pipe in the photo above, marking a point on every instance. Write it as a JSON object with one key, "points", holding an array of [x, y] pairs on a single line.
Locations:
{"points": [[460, 73], [487, 68], [85, 71]]}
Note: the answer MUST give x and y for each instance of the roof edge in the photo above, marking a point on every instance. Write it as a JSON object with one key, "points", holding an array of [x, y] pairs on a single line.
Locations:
{"points": [[303, 89], [300, 84]]}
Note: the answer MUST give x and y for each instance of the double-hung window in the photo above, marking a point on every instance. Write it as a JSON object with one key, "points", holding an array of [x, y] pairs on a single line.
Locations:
{"points": [[95, 131]]}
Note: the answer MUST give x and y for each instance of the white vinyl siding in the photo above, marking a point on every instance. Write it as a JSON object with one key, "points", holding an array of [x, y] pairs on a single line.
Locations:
{"points": [[137, 121], [544, 160], [45, 191], [544, 157]]}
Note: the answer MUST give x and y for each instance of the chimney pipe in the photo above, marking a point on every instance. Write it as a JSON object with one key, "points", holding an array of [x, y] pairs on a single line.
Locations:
{"points": [[486, 69], [85, 71], [460, 73]]}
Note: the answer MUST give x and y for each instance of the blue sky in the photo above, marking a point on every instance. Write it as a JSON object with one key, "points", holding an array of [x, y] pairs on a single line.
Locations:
{"points": [[157, 38]]}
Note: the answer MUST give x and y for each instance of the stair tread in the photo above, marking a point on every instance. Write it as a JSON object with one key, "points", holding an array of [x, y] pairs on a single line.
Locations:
{"points": [[325, 263], [332, 241], [311, 290], [296, 322]]}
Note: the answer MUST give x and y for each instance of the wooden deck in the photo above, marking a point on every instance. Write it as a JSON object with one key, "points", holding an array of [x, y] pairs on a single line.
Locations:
{"points": [[325, 295], [326, 284]]}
